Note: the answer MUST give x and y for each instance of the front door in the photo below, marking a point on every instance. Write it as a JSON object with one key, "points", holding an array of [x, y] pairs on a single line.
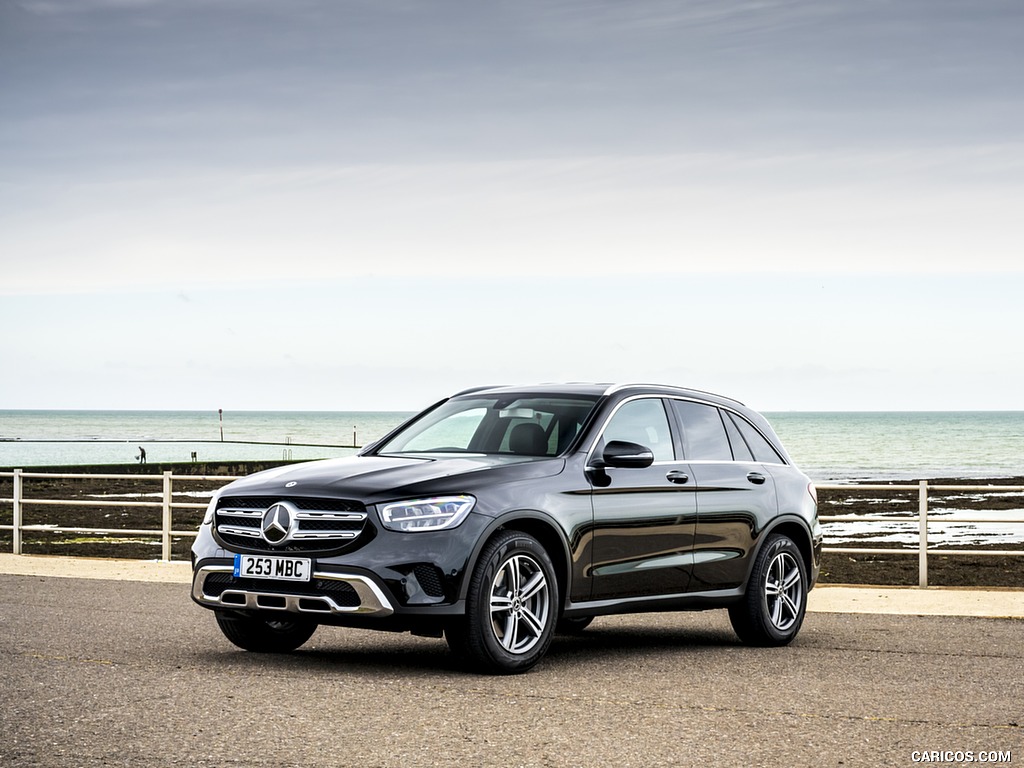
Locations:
{"points": [[644, 519]]}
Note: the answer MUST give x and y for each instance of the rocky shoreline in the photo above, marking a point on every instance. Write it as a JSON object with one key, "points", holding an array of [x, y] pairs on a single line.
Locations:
{"points": [[146, 479]]}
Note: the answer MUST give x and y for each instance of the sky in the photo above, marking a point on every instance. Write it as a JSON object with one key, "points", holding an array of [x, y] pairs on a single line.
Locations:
{"points": [[370, 204]]}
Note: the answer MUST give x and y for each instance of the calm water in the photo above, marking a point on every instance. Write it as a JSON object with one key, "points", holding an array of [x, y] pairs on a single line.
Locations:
{"points": [[828, 446], [41, 438], [904, 445]]}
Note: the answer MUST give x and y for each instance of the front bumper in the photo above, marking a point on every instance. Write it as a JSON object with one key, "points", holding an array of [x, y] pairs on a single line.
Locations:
{"points": [[387, 577], [327, 594]]}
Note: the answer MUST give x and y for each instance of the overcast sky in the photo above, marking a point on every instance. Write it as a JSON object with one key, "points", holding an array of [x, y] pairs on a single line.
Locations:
{"points": [[364, 204]]}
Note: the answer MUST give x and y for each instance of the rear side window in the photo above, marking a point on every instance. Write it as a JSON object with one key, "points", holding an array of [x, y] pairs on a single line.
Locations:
{"points": [[740, 451], [762, 450], [704, 437]]}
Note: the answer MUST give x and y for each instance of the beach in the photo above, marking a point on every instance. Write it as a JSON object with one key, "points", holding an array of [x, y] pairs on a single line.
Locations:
{"points": [[145, 484]]}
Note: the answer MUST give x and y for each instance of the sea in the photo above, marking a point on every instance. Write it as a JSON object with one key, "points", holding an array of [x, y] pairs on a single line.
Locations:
{"points": [[831, 447], [828, 446]]}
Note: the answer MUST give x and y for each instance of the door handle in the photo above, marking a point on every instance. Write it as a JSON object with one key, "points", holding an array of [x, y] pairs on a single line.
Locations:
{"points": [[756, 478], [675, 476]]}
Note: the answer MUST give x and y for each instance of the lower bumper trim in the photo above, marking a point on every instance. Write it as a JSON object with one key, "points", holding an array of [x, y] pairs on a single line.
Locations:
{"points": [[372, 601]]}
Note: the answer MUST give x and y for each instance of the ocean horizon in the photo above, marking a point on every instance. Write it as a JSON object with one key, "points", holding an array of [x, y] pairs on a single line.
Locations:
{"points": [[827, 445]]}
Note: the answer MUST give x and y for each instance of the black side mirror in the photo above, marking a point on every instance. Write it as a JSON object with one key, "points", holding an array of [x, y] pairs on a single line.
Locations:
{"points": [[625, 455]]}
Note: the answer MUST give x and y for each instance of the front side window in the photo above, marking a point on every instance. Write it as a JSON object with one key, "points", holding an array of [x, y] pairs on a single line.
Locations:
{"points": [[643, 422]]}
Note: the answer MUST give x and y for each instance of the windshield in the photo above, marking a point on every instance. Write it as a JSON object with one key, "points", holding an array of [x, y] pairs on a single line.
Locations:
{"points": [[532, 425]]}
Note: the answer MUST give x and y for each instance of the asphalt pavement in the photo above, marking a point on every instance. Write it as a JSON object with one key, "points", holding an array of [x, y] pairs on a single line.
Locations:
{"points": [[125, 672]]}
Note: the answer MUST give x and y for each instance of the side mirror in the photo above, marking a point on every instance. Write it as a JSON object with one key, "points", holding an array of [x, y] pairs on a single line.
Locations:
{"points": [[625, 455]]}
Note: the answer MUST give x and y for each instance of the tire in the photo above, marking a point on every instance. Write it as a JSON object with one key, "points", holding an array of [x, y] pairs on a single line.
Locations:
{"points": [[573, 626], [253, 633], [510, 609], [772, 610]]}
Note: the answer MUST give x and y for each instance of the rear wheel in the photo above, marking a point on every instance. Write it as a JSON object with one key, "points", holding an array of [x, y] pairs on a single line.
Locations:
{"points": [[773, 608], [510, 609], [263, 635]]}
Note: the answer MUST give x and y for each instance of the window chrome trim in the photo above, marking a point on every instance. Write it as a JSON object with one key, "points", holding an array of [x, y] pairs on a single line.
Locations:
{"points": [[683, 460]]}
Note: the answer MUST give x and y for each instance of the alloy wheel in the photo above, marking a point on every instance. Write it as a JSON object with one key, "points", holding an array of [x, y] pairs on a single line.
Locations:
{"points": [[783, 591], [519, 604]]}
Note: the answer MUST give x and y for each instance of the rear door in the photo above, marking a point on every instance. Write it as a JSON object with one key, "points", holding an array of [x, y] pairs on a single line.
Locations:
{"points": [[735, 495]]}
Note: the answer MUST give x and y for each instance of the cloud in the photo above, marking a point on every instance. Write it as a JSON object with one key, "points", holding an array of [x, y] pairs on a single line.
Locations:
{"points": [[56, 7], [259, 142], [910, 211]]}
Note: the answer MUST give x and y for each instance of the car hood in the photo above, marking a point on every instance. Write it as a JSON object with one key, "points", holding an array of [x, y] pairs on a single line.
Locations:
{"points": [[372, 479]]}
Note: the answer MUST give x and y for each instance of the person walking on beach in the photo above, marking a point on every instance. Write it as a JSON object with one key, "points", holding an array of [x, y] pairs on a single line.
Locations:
{"points": [[142, 455]]}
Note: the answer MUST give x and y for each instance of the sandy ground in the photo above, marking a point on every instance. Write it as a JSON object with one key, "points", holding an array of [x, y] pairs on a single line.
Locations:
{"points": [[909, 601]]}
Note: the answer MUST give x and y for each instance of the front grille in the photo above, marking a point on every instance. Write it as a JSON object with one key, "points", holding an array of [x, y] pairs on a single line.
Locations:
{"points": [[316, 525], [340, 592]]}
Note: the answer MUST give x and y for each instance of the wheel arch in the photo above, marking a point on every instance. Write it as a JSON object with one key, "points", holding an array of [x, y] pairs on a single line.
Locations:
{"points": [[544, 530], [797, 531]]}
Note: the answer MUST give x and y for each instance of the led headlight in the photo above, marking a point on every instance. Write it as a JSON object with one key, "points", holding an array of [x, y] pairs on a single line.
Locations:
{"points": [[210, 509], [426, 514]]}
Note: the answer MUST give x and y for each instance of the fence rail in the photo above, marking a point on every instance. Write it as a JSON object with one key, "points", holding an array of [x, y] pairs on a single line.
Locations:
{"points": [[922, 519], [167, 505]]}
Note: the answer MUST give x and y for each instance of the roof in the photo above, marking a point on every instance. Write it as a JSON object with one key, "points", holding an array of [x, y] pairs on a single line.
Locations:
{"points": [[599, 389]]}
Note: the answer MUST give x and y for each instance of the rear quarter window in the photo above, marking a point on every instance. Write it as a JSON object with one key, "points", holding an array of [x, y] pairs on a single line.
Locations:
{"points": [[762, 450]]}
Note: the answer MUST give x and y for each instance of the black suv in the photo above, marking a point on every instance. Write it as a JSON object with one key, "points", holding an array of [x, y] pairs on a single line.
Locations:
{"points": [[503, 515]]}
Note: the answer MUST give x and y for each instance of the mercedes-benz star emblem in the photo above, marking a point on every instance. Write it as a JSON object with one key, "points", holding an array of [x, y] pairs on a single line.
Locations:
{"points": [[277, 522]]}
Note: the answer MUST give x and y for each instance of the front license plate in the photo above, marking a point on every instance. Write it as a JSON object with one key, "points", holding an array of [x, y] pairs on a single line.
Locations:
{"points": [[271, 567]]}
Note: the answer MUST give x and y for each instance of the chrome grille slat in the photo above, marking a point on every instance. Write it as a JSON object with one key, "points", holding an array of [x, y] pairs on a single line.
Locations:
{"points": [[304, 514]]}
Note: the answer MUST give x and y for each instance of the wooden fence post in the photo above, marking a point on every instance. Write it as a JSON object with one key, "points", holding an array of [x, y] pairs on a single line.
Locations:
{"points": [[165, 527]]}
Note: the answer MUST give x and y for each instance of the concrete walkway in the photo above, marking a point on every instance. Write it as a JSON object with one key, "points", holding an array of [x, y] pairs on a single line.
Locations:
{"points": [[909, 601]]}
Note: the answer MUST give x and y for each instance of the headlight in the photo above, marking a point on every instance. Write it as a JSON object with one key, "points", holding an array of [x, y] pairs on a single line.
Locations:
{"points": [[426, 514], [210, 509]]}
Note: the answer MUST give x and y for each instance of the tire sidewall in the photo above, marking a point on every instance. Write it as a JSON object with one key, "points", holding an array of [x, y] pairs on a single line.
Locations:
{"points": [[483, 642], [261, 635], [773, 547]]}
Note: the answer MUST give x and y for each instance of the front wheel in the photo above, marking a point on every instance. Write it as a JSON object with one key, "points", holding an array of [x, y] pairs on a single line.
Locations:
{"points": [[253, 633], [510, 609], [773, 607]]}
